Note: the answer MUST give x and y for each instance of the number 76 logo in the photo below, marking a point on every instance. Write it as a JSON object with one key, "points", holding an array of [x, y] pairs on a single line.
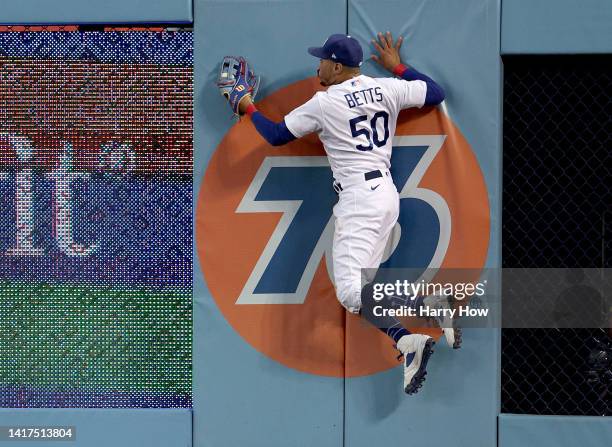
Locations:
{"points": [[300, 189]]}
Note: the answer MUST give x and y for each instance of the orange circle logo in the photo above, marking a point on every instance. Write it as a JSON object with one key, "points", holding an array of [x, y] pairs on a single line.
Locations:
{"points": [[264, 226]]}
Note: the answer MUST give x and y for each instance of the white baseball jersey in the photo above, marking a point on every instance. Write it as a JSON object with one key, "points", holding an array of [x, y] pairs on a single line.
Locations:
{"points": [[356, 120]]}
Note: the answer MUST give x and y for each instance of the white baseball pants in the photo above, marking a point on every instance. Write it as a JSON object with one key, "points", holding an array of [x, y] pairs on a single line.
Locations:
{"points": [[365, 215]]}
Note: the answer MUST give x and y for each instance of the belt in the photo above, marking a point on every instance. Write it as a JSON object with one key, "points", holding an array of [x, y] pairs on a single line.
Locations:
{"points": [[354, 179]]}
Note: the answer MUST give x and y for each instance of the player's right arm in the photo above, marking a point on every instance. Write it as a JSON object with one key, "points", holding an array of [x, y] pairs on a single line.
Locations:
{"points": [[389, 57], [301, 121]]}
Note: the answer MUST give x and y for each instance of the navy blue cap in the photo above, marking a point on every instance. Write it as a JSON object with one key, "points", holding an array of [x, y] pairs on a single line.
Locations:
{"points": [[340, 48]]}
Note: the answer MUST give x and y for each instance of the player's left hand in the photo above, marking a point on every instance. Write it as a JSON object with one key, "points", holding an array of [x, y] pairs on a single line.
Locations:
{"points": [[238, 83], [388, 52]]}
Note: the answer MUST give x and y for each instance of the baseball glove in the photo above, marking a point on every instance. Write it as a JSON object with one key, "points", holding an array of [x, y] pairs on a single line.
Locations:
{"points": [[236, 81]]}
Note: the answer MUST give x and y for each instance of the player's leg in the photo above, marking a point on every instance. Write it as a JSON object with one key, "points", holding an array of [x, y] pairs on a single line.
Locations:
{"points": [[361, 225], [449, 326], [415, 348], [388, 215], [355, 231]]}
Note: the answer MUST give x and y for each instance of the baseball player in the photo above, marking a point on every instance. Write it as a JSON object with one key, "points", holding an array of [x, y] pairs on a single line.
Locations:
{"points": [[355, 119]]}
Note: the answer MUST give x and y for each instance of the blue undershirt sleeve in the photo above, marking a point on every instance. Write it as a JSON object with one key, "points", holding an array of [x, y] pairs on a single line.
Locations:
{"points": [[275, 134], [434, 95]]}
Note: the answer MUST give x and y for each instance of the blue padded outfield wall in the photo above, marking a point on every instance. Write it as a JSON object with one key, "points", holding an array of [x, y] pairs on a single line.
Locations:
{"points": [[461, 386], [242, 397], [277, 361], [556, 27], [519, 430]]}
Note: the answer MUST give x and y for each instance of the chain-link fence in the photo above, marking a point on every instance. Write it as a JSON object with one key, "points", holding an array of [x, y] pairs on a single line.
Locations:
{"points": [[557, 204]]}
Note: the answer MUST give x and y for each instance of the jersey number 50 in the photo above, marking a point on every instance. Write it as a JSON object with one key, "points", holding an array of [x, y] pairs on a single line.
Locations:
{"points": [[372, 133]]}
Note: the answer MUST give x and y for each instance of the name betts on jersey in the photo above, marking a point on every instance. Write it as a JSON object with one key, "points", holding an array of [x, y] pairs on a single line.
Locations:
{"points": [[355, 121]]}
